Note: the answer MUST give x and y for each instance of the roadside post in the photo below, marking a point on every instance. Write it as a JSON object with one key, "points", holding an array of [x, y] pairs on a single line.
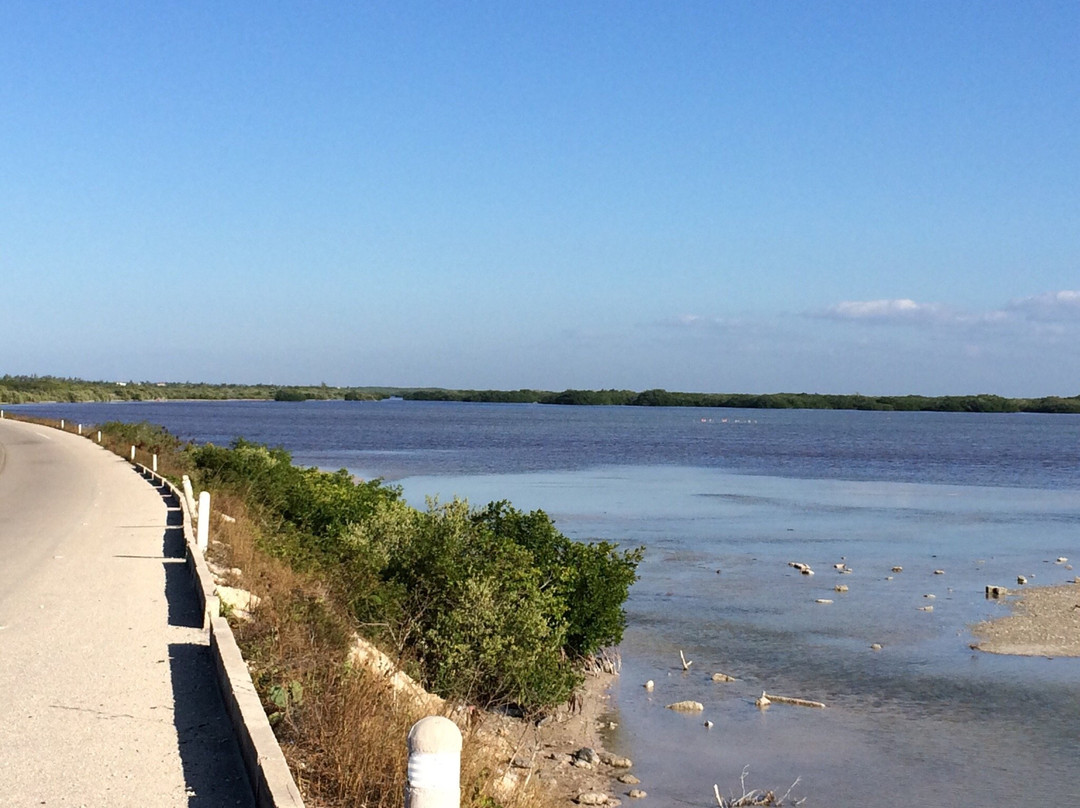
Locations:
{"points": [[203, 533], [434, 777]]}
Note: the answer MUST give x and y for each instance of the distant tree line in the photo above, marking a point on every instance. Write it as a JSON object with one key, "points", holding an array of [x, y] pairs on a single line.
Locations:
{"points": [[31, 389], [28, 389], [804, 401]]}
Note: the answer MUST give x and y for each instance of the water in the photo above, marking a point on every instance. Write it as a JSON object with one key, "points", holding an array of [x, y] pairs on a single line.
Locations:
{"points": [[722, 500]]}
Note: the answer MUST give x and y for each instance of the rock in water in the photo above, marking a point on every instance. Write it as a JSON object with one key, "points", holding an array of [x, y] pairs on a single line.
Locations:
{"points": [[687, 706]]}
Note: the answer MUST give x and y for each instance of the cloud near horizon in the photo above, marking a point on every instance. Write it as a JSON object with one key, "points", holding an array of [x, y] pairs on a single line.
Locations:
{"points": [[1061, 306], [1052, 306], [902, 310]]}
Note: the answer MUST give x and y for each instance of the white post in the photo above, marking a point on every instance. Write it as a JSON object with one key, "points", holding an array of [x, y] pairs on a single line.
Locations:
{"points": [[80, 429], [132, 454], [154, 469], [61, 423], [1, 413], [99, 436], [203, 533], [434, 778], [189, 497]]}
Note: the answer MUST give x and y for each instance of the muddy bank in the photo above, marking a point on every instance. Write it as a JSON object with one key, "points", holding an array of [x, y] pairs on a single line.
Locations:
{"points": [[1045, 621], [546, 754]]}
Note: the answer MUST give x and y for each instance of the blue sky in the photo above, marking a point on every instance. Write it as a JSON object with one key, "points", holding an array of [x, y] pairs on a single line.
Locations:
{"points": [[706, 196]]}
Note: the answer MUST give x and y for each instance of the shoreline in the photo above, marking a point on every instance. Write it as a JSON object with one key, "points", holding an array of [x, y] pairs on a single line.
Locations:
{"points": [[545, 753], [1043, 621]]}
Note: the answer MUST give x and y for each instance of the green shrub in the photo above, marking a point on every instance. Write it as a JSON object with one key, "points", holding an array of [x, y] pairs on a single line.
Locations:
{"points": [[592, 580], [495, 605], [144, 435]]}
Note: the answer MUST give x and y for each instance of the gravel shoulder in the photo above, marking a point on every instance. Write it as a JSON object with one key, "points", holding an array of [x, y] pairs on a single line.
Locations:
{"points": [[1045, 621]]}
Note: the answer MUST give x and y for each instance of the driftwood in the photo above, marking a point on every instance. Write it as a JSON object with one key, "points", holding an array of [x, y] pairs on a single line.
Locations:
{"points": [[754, 796], [769, 697], [685, 665]]}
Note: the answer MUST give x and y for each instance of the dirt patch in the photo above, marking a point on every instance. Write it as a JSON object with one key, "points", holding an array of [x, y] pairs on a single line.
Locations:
{"points": [[545, 752], [1045, 621]]}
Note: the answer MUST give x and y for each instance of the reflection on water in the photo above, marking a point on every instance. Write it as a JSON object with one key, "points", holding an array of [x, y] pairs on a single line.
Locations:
{"points": [[925, 720]]}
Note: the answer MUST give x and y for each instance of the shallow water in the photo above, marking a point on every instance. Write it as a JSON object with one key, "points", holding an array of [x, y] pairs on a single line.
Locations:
{"points": [[721, 507], [926, 717]]}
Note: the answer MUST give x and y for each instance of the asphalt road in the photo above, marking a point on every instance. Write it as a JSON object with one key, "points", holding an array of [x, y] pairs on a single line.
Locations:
{"points": [[107, 694]]}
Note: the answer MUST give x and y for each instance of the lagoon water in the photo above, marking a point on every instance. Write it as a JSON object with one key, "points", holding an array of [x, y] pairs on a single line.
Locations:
{"points": [[722, 500]]}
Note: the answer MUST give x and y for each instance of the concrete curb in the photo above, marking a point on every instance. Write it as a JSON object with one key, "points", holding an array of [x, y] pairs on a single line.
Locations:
{"points": [[271, 781], [268, 773]]}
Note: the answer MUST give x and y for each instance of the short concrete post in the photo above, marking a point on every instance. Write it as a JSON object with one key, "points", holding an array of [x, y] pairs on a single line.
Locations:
{"points": [[1, 413], [154, 464], [434, 778], [99, 436], [61, 423], [202, 535], [132, 454], [189, 496], [80, 429]]}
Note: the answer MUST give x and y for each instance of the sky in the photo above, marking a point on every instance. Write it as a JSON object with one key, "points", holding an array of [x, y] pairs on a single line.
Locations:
{"points": [[836, 197]]}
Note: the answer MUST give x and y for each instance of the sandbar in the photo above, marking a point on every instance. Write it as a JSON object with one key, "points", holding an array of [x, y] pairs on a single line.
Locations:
{"points": [[1045, 621]]}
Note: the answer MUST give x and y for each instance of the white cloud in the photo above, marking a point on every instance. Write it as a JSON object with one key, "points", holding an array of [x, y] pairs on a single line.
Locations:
{"points": [[1051, 306], [901, 310]]}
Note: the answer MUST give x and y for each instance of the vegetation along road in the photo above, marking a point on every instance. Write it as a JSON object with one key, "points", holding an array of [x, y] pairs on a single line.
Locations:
{"points": [[109, 695]]}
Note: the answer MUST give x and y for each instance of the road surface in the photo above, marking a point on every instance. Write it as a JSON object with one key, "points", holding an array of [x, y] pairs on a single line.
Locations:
{"points": [[107, 694]]}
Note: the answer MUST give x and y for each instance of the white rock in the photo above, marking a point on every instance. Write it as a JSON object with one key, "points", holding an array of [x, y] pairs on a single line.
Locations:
{"points": [[687, 706], [239, 600]]}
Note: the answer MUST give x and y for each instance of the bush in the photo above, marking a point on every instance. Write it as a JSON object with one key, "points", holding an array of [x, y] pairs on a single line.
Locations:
{"points": [[494, 605], [144, 435], [591, 580]]}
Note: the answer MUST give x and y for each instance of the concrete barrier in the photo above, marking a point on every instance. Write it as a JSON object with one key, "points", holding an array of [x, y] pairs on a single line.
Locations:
{"points": [[271, 781]]}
